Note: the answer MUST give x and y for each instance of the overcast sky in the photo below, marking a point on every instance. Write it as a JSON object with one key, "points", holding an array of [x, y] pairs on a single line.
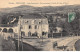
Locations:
{"points": [[37, 3]]}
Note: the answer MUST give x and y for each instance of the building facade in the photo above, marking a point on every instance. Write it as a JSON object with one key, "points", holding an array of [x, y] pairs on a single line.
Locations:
{"points": [[34, 25]]}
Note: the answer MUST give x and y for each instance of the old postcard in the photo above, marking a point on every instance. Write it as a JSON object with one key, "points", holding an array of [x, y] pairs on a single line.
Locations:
{"points": [[40, 25]]}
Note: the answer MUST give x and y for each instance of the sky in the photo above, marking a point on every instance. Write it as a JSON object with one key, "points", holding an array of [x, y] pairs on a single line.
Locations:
{"points": [[37, 3]]}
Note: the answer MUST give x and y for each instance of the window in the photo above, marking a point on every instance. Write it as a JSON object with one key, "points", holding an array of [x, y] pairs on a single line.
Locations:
{"points": [[21, 27], [10, 30], [39, 22], [29, 26], [4, 30], [34, 21], [35, 26], [38, 27]]}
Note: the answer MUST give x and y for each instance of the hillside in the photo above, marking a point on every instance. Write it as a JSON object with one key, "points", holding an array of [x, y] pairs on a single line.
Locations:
{"points": [[23, 9], [31, 9]]}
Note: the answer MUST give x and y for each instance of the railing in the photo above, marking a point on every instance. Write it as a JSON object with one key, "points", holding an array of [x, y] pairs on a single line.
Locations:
{"points": [[7, 25]]}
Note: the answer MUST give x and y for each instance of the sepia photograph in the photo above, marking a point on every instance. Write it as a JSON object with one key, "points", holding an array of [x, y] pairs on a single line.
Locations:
{"points": [[40, 25]]}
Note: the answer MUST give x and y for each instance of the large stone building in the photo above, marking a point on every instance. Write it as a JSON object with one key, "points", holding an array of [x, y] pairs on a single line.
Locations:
{"points": [[29, 25], [34, 25]]}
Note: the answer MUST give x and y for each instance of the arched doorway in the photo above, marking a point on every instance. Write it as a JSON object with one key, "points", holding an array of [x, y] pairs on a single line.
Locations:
{"points": [[10, 30], [29, 33], [35, 34], [4, 30], [22, 33]]}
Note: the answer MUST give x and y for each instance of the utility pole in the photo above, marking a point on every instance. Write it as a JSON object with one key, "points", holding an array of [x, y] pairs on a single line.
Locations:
{"points": [[41, 31], [19, 33], [41, 27], [22, 41], [61, 34]]}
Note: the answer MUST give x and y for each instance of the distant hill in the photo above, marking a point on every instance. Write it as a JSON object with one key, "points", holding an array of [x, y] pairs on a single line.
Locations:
{"points": [[31, 9], [23, 9]]}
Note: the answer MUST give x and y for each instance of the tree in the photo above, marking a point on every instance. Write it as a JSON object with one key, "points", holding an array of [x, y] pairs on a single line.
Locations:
{"points": [[75, 24]]}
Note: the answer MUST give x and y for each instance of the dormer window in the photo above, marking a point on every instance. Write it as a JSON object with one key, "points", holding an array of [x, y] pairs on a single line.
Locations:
{"points": [[26, 21]]}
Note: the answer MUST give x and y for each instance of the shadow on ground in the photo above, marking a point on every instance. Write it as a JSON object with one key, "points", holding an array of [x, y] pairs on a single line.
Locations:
{"points": [[26, 47]]}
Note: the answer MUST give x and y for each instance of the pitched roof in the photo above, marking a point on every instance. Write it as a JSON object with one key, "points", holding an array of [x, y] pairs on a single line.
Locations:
{"points": [[33, 16]]}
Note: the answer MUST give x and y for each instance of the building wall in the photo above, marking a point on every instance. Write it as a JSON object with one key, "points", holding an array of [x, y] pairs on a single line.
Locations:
{"points": [[15, 29], [42, 26], [6, 32]]}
